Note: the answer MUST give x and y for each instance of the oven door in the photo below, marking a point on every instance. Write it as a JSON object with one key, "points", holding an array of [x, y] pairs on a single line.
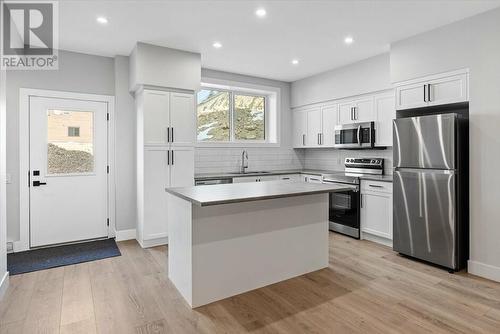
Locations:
{"points": [[357, 135], [344, 214]]}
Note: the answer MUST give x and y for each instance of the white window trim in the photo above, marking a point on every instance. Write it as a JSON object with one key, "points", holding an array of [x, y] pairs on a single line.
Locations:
{"points": [[272, 115]]}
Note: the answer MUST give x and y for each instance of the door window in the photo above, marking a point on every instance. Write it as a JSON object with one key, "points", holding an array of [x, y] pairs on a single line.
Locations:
{"points": [[70, 142]]}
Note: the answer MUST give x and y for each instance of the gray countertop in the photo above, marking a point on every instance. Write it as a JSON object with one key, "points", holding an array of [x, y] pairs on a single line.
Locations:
{"points": [[246, 192], [212, 176]]}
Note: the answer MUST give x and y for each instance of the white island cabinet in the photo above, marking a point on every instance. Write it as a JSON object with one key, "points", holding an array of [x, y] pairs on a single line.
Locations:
{"points": [[231, 238]]}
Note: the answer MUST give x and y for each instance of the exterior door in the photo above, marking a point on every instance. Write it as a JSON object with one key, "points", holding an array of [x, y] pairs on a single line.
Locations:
{"points": [[68, 170]]}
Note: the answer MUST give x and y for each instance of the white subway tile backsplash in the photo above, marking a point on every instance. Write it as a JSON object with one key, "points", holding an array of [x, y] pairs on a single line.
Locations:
{"points": [[215, 160]]}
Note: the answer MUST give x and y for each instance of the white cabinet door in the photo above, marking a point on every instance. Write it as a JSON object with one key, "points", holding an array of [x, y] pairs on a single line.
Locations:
{"points": [[182, 119], [299, 129], [330, 118], [245, 179], [376, 214], [451, 89], [411, 96], [181, 167], [269, 178], [363, 110], [156, 179], [156, 115], [385, 112], [346, 115], [314, 127]]}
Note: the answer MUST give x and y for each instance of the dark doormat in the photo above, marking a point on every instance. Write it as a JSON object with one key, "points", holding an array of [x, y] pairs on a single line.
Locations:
{"points": [[45, 258]]}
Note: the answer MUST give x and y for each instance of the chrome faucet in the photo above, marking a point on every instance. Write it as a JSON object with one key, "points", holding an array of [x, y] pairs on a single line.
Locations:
{"points": [[244, 161]]}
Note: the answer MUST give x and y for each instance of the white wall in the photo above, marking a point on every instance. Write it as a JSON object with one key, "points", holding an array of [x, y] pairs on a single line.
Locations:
{"points": [[473, 43], [3, 214], [77, 73], [214, 160], [125, 148], [366, 76]]}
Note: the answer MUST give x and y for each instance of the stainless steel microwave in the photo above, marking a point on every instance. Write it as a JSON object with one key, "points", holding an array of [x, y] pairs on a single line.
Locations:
{"points": [[355, 136]]}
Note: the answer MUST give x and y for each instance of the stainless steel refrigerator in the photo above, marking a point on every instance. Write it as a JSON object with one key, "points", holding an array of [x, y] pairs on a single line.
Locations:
{"points": [[430, 196]]}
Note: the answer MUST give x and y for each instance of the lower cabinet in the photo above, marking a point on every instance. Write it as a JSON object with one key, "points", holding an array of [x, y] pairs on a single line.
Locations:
{"points": [[163, 167], [245, 179], [376, 211]]}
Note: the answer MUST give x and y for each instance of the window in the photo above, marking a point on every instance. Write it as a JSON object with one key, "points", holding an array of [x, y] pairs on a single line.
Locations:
{"points": [[231, 116], [70, 149], [73, 131]]}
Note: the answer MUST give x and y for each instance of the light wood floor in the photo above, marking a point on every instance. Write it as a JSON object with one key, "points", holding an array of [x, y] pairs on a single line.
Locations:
{"points": [[366, 289]]}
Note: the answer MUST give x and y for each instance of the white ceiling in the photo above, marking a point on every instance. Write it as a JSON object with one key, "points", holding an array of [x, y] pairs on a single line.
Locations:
{"points": [[311, 31]]}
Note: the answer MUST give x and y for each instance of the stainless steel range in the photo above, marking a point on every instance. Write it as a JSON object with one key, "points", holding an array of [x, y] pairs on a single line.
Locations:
{"points": [[345, 206]]}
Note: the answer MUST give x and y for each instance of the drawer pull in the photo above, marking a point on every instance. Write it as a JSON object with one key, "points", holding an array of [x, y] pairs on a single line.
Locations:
{"points": [[375, 186]]}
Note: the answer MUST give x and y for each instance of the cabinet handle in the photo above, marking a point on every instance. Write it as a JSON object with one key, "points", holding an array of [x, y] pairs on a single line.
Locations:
{"points": [[172, 132], [303, 140], [318, 140], [425, 89], [168, 158], [172, 157], [352, 117], [429, 93], [168, 134], [361, 200], [375, 186]]}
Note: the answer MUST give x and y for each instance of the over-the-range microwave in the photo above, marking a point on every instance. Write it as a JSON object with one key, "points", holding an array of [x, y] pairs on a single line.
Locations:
{"points": [[355, 135]]}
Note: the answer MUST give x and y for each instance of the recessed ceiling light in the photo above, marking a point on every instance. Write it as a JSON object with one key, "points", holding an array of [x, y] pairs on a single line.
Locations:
{"points": [[348, 40], [295, 61], [217, 45], [261, 12], [102, 20]]}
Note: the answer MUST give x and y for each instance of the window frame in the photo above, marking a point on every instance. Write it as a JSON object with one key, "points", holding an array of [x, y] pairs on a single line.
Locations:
{"points": [[234, 88]]}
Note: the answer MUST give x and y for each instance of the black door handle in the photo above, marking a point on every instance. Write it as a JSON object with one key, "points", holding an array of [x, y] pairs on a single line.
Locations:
{"points": [[38, 183]]}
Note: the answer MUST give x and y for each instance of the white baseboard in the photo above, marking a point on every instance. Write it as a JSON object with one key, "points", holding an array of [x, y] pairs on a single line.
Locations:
{"points": [[125, 235], [153, 242], [484, 270], [4, 284], [377, 239]]}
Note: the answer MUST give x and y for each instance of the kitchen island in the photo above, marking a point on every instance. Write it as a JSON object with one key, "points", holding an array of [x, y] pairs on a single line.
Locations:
{"points": [[231, 238]]}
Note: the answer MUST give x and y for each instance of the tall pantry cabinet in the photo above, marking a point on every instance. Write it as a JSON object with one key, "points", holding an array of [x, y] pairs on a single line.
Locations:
{"points": [[165, 157]]}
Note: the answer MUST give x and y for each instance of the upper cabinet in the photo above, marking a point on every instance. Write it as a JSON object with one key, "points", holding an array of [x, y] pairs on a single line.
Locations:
{"points": [[314, 126], [299, 128], [168, 118], [434, 90], [385, 112], [356, 111], [329, 115]]}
